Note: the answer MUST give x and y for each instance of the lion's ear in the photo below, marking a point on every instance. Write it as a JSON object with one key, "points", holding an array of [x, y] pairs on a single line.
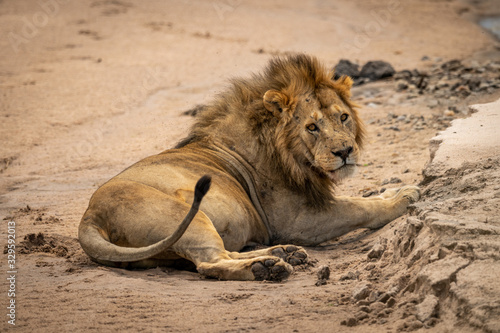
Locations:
{"points": [[276, 102], [344, 84]]}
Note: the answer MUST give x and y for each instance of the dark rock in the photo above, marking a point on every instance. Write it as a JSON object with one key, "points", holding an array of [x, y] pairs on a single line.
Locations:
{"points": [[384, 298], [361, 315], [323, 272], [451, 65], [365, 308], [376, 252], [402, 86], [377, 307], [321, 282], [367, 194], [350, 276], [403, 75], [376, 70], [391, 302], [351, 322], [393, 180], [474, 84], [345, 67]]}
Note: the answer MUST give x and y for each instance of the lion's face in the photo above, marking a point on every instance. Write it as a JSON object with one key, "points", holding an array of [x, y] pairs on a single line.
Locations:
{"points": [[321, 130], [327, 129]]}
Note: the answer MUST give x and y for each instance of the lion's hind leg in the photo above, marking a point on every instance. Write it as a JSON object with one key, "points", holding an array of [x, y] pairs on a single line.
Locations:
{"points": [[202, 245]]}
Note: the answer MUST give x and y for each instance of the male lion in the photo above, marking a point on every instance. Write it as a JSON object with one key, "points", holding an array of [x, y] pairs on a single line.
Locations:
{"points": [[272, 147]]}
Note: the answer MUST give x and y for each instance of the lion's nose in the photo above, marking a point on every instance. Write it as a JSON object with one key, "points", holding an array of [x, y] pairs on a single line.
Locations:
{"points": [[343, 154]]}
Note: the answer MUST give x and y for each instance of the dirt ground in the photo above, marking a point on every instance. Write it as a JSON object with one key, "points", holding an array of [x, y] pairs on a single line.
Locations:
{"points": [[89, 87]]}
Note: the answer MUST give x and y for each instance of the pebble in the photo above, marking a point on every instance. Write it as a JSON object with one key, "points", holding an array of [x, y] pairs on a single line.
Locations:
{"points": [[350, 322], [361, 292], [391, 302], [323, 272], [346, 67], [376, 70], [376, 307], [393, 180], [449, 113], [376, 251], [350, 276]]}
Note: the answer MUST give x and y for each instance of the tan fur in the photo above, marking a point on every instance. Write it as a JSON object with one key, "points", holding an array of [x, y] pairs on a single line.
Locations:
{"points": [[275, 145]]}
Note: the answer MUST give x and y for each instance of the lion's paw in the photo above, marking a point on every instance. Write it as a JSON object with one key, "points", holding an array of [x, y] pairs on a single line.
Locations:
{"points": [[410, 193], [272, 269], [294, 255]]}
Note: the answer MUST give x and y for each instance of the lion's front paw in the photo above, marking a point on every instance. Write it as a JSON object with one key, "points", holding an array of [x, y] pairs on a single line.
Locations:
{"points": [[272, 269], [411, 193], [294, 255]]}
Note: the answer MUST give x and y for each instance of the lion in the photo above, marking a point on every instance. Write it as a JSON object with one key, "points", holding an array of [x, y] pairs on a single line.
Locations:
{"points": [[259, 166]]}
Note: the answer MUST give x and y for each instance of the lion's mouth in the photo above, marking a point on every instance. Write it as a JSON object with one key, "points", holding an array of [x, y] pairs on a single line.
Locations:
{"points": [[341, 172]]}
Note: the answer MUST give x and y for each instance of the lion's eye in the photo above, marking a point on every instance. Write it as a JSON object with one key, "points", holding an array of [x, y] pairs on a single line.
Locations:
{"points": [[308, 100], [312, 128], [344, 117]]}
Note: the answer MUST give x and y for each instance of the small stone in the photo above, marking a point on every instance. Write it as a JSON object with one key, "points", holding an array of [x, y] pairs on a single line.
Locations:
{"points": [[323, 272], [391, 302], [449, 113], [365, 308], [384, 298], [414, 325], [321, 282], [376, 70], [361, 292], [369, 193], [374, 295], [393, 180], [377, 307], [345, 67], [349, 322], [361, 315], [401, 86], [376, 251], [451, 65], [350, 276], [370, 266]]}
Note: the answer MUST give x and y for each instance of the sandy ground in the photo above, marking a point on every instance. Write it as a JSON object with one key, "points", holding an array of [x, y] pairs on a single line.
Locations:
{"points": [[89, 87]]}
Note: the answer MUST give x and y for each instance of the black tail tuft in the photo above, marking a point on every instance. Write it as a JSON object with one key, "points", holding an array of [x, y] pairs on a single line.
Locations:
{"points": [[202, 186]]}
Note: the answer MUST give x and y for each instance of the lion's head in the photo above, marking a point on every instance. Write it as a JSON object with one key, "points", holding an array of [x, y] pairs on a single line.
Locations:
{"points": [[302, 119], [318, 128]]}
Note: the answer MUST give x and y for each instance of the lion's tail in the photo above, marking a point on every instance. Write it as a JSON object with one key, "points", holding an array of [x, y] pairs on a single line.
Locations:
{"points": [[103, 251]]}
